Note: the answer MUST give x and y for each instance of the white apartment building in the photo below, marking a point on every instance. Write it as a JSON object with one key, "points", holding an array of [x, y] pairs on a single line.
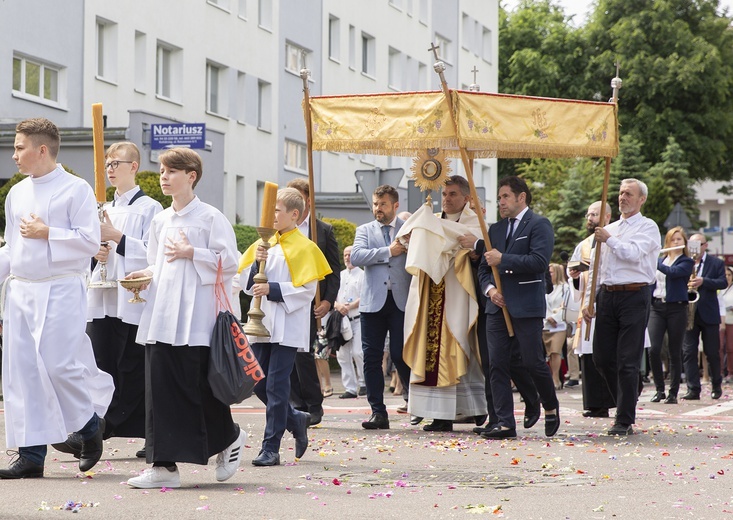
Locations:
{"points": [[234, 66]]}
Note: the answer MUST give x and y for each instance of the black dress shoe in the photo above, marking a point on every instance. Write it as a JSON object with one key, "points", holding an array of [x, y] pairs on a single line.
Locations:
{"points": [[377, 421], [620, 429], [348, 395], [362, 390], [659, 396], [415, 420], [552, 423], [498, 433], [315, 417], [691, 396], [671, 399], [478, 420], [92, 449], [572, 382], [22, 468], [478, 430], [71, 445], [140, 454], [716, 393], [301, 434], [439, 425], [596, 412], [267, 458], [531, 417]]}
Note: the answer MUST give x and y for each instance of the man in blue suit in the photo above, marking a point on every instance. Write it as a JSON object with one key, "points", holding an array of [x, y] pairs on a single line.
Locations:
{"points": [[709, 277], [383, 298], [522, 244]]}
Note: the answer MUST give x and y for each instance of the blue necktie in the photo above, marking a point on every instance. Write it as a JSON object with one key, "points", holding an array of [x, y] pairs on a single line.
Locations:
{"points": [[385, 232], [511, 232]]}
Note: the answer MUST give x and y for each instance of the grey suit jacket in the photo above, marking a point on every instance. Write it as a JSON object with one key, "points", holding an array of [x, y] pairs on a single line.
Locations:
{"points": [[371, 253]]}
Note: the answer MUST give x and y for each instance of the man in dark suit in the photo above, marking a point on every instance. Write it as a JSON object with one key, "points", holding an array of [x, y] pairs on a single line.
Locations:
{"points": [[709, 277], [383, 298], [305, 387], [522, 244]]}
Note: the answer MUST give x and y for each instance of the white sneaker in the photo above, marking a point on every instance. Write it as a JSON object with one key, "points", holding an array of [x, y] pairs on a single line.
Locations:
{"points": [[156, 477], [228, 460]]}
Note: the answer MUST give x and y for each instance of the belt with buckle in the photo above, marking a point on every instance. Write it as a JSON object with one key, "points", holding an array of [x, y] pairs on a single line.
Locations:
{"points": [[352, 318], [624, 287]]}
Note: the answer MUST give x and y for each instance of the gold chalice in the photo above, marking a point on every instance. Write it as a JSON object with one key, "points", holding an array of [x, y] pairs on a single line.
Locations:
{"points": [[134, 285]]}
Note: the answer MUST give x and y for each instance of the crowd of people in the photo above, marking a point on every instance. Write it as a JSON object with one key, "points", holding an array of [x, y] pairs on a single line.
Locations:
{"points": [[463, 321]]}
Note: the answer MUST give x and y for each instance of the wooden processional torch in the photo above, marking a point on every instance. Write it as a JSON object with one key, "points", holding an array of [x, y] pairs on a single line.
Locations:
{"points": [[100, 187], [254, 326]]}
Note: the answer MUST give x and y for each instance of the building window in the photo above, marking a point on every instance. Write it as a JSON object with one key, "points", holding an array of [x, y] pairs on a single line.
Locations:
{"points": [[352, 47], [295, 156], [422, 76], [423, 15], [106, 49], [239, 108], [367, 54], [168, 68], [214, 87], [242, 9], [223, 4], [486, 45], [264, 105], [397, 4], [444, 48], [468, 31], [36, 79], [141, 62], [265, 14], [294, 56], [714, 218], [334, 38], [395, 70]]}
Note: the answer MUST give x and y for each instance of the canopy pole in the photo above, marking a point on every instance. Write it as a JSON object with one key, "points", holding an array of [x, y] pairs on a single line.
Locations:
{"points": [[304, 75], [616, 85], [439, 67]]}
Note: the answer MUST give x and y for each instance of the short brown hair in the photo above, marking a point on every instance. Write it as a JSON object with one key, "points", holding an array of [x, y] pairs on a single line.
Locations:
{"points": [[292, 199], [301, 185], [461, 182], [390, 191], [183, 159], [126, 149], [41, 131]]}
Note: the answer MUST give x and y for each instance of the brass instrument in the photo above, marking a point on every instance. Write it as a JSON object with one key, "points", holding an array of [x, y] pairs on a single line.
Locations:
{"points": [[692, 295]]}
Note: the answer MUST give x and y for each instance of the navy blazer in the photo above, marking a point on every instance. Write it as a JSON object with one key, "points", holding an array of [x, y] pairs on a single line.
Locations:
{"points": [[713, 278], [677, 277], [523, 265]]}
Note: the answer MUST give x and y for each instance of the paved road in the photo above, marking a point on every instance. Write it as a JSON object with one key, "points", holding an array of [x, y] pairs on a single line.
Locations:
{"points": [[679, 464]]}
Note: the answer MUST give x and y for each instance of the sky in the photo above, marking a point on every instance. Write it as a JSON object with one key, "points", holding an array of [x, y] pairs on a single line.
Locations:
{"points": [[580, 8]]}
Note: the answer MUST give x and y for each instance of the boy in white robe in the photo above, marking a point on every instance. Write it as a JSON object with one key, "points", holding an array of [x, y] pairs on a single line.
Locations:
{"points": [[52, 229], [112, 319], [187, 243], [294, 265]]}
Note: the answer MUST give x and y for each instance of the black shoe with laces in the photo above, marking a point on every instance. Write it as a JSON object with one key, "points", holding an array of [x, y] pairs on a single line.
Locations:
{"points": [[21, 468], [71, 445]]}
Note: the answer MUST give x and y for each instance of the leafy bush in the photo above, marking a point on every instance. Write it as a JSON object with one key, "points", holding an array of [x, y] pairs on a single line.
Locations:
{"points": [[344, 232], [149, 182]]}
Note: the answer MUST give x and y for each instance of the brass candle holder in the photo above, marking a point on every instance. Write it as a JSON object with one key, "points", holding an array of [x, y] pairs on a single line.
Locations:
{"points": [[254, 326], [102, 283]]}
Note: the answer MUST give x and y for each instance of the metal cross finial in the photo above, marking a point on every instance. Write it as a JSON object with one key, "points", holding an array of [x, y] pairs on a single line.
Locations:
{"points": [[475, 70], [616, 83], [435, 48]]}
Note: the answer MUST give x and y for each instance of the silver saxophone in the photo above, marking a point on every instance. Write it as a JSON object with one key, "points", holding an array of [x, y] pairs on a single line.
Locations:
{"points": [[692, 295]]}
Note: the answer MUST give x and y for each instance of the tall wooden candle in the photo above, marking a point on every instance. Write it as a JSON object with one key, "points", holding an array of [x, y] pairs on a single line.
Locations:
{"points": [[100, 187], [267, 218]]}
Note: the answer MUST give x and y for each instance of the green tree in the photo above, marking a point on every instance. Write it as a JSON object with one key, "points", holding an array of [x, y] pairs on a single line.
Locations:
{"points": [[676, 60], [629, 164], [149, 182]]}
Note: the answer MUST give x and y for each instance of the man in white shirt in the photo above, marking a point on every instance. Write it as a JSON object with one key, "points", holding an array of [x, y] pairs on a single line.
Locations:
{"points": [[628, 265], [347, 305]]}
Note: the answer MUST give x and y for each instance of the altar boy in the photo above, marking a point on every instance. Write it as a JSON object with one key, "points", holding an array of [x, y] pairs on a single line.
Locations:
{"points": [[294, 265]]}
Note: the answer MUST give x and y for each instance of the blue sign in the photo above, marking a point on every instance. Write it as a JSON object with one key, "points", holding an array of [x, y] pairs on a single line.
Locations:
{"points": [[171, 135]]}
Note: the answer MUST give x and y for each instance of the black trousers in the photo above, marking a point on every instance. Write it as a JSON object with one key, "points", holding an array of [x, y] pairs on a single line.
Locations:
{"points": [[117, 354], [669, 318], [185, 422], [710, 347], [596, 394], [618, 345], [305, 386], [525, 345]]}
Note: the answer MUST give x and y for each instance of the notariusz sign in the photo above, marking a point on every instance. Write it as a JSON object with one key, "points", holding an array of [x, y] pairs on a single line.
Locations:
{"points": [[171, 135]]}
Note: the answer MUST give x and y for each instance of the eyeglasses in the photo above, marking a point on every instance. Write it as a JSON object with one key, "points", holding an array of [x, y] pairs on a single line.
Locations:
{"points": [[115, 164]]}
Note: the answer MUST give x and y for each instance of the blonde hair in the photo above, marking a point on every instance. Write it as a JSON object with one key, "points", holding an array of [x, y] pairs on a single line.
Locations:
{"points": [[559, 272], [670, 234], [292, 199], [126, 149]]}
